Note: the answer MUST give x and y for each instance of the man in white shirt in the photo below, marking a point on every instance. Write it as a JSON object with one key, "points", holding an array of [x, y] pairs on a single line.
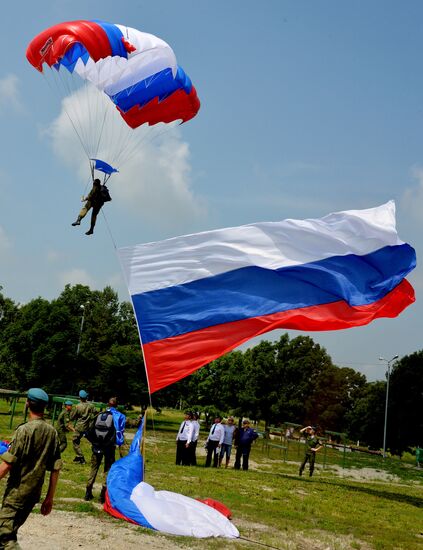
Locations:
{"points": [[195, 434], [214, 442], [183, 440]]}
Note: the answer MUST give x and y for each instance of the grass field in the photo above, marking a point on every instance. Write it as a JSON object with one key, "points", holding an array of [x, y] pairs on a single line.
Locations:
{"points": [[371, 503]]}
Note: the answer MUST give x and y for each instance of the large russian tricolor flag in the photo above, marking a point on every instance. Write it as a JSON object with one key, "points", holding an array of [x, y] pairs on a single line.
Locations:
{"points": [[199, 296]]}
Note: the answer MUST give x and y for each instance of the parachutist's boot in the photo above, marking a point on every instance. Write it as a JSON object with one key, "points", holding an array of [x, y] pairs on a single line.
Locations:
{"points": [[88, 494], [78, 221], [90, 231], [103, 495]]}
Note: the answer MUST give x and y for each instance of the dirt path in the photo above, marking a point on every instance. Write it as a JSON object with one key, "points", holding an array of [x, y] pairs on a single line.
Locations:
{"points": [[67, 531]]}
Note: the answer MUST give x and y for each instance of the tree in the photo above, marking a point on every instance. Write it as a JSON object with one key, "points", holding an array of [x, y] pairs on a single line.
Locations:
{"points": [[334, 395], [405, 418], [365, 421]]}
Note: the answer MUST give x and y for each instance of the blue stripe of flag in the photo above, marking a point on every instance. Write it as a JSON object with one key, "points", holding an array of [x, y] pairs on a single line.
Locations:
{"points": [[254, 291]]}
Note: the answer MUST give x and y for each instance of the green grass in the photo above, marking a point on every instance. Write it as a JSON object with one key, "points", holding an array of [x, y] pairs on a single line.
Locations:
{"points": [[271, 504]]}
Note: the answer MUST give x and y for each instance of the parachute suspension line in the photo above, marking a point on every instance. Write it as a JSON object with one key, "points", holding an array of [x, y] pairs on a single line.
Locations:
{"points": [[147, 139], [109, 230], [68, 115], [258, 543], [90, 122], [100, 134], [67, 84]]}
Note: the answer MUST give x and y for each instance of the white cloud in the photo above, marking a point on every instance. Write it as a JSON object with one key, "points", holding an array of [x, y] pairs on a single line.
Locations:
{"points": [[154, 180], [412, 199], [77, 276], [9, 94]]}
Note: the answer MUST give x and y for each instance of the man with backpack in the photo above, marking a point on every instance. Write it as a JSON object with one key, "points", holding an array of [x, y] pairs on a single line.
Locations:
{"points": [[95, 199], [102, 437]]}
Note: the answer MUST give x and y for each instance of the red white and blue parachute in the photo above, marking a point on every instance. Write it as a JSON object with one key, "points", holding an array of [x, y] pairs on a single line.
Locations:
{"points": [[136, 70], [128, 497]]}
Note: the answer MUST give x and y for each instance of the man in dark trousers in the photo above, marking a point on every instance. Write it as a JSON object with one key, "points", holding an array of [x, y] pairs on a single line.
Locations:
{"points": [[194, 440], [95, 200], [33, 451], [214, 442], [183, 440], [102, 436], [244, 439], [312, 445]]}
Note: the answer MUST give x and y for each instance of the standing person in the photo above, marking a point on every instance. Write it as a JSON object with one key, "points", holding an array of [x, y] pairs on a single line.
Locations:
{"points": [[82, 415], [119, 420], [214, 442], [312, 445], [95, 199], [226, 448], [33, 451], [183, 440], [245, 438], [64, 425], [102, 436], [195, 435]]}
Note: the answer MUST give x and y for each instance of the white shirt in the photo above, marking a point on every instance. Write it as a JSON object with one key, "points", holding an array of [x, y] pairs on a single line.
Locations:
{"points": [[185, 431], [217, 433], [195, 430]]}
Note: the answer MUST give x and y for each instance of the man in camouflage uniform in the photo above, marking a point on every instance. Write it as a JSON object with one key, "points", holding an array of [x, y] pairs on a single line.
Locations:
{"points": [[34, 449], [312, 445], [64, 425], [83, 415]]}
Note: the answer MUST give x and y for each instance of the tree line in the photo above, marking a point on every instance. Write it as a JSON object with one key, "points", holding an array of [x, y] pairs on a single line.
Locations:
{"points": [[62, 347]]}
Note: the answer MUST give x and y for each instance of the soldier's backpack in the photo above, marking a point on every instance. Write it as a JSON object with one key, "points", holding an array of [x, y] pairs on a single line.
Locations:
{"points": [[105, 194], [103, 432]]}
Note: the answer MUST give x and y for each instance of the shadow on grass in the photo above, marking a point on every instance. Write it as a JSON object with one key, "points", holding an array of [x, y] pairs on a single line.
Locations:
{"points": [[380, 493]]}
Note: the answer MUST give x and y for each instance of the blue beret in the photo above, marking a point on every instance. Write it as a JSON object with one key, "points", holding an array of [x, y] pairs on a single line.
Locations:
{"points": [[38, 395], [83, 394], [67, 402]]}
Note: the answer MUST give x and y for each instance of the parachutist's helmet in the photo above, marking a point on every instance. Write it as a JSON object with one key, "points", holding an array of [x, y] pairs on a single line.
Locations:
{"points": [[96, 182]]}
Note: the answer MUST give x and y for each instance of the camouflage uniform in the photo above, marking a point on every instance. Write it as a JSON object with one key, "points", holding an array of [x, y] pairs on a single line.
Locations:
{"points": [[83, 413], [63, 422], [310, 443], [33, 451], [96, 458]]}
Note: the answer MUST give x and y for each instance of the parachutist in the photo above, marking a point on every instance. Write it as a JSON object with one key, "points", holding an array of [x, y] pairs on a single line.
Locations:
{"points": [[95, 199]]}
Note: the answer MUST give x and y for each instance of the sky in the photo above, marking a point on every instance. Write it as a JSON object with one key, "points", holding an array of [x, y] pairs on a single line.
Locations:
{"points": [[307, 108]]}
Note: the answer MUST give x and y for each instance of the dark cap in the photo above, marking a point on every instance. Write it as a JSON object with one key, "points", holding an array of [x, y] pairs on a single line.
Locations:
{"points": [[37, 395]]}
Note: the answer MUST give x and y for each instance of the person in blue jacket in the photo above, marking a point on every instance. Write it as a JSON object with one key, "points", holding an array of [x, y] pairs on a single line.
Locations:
{"points": [[245, 438], [119, 420]]}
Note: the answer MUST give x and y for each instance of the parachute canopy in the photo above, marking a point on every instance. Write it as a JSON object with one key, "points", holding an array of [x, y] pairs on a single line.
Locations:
{"points": [[128, 497], [136, 70]]}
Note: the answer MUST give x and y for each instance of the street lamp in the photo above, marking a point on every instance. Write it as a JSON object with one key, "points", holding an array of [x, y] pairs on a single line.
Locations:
{"points": [[388, 362], [81, 327]]}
